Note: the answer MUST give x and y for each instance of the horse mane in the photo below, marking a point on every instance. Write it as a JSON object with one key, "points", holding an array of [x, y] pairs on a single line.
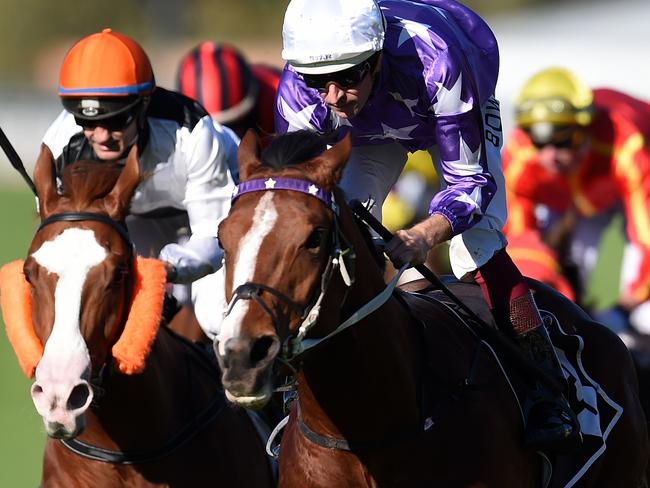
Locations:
{"points": [[86, 181], [293, 148]]}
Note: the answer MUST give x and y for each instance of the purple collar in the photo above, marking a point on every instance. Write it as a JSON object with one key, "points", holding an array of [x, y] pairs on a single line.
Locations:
{"points": [[303, 186]]}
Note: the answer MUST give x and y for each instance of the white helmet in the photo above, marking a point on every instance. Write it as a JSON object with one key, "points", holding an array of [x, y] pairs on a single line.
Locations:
{"points": [[325, 36]]}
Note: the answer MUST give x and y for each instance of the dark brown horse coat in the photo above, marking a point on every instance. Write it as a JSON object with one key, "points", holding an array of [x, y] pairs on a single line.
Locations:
{"points": [[359, 420]]}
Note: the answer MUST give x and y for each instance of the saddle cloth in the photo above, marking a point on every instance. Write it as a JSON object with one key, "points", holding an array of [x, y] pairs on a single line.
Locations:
{"points": [[597, 413]]}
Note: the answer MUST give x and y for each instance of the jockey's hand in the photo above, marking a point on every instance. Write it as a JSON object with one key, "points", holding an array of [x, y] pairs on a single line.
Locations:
{"points": [[171, 272], [412, 245]]}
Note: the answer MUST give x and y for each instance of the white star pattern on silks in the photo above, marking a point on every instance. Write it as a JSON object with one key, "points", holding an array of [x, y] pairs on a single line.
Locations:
{"points": [[235, 191], [409, 102], [391, 133], [270, 184], [468, 162], [449, 101], [313, 189], [298, 120], [411, 29]]}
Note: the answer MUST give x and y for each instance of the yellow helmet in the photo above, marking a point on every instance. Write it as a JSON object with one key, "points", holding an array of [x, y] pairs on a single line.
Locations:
{"points": [[554, 96]]}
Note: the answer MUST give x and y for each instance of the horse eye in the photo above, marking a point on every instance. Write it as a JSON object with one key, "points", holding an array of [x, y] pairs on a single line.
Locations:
{"points": [[315, 239], [119, 274], [26, 273]]}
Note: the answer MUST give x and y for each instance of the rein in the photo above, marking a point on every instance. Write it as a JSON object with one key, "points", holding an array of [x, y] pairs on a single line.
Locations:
{"points": [[190, 430]]}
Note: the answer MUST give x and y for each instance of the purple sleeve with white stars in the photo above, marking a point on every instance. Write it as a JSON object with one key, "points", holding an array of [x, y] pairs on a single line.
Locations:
{"points": [[439, 65]]}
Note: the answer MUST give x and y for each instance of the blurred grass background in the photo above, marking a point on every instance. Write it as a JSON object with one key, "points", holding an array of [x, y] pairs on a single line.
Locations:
{"points": [[21, 428]]}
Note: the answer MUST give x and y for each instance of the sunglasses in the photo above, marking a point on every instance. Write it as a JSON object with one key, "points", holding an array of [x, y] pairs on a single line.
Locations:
{"points": [[346, 78], [115, 123], [561, 137]]}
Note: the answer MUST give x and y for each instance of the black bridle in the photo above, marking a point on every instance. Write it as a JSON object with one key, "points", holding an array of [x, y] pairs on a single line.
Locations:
{"points": [[307, 313], [196, 424]]}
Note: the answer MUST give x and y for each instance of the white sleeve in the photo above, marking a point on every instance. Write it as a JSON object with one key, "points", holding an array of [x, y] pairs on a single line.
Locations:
{"points": [[209, 184], [231, 144], [60, 132], [208, 191]]}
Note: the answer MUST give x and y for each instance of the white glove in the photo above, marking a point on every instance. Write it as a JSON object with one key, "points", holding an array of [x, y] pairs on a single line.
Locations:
{"points": [[194, 259]]}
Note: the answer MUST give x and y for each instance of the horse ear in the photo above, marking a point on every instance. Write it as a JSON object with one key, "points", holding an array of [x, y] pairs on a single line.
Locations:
{"points": [[328, 167], [45, 182], [248, 155], [118, 200]]}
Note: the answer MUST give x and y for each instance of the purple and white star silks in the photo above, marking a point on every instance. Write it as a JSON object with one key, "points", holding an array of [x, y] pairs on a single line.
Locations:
{"points": [[439, 66]]}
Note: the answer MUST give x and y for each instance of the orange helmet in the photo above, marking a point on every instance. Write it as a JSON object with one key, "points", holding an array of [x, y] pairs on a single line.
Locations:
{"points": [[104, 74]]}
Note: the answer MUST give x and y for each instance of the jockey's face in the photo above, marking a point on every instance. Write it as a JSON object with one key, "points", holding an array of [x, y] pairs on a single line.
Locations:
{"points": [[562, 153], [347, 101], [110, 144]]}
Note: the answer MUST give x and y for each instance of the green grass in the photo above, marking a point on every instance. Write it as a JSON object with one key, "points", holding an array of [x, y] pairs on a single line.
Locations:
{"points": [[22, 436]]}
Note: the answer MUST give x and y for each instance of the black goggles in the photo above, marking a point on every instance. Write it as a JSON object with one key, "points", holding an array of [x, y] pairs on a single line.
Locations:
{"points": [[561, 138], [346, 78], [114, 123]]}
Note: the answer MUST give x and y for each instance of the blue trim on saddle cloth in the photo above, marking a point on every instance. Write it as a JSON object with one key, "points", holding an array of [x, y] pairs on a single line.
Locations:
{"points": [[303, 186]]}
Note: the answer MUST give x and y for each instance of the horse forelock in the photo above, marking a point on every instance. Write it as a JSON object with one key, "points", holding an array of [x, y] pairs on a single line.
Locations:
{"points": [[86, 181], [296, 155]]}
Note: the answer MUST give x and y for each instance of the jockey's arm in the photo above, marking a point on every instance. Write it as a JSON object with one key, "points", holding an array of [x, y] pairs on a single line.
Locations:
{"points": [[207, 200], [632, 172]]}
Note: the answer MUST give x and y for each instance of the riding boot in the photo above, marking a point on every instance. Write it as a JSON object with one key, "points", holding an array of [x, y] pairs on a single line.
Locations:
{"points": [[550, 422]]}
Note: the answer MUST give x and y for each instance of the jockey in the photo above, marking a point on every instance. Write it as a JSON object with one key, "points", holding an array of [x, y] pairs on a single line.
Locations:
{"points": [[111, 102], [401, 76], [583, 153], [235, 93]]}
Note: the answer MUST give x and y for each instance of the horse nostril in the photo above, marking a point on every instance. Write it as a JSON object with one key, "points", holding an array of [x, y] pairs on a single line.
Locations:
{"points": [[262, 348], [78, 396]]}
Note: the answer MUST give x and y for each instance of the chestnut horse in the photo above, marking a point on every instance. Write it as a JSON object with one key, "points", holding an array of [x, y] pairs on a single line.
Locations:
{"points": [[124, 402], [303, 285]]}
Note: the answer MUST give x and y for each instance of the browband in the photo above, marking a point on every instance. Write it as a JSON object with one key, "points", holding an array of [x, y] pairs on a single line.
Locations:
{"points": [[294, 184]]}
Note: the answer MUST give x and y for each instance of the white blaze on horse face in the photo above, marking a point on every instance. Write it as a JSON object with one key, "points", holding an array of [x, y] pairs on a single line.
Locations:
{"points": [[70, 256], [264, 219]]}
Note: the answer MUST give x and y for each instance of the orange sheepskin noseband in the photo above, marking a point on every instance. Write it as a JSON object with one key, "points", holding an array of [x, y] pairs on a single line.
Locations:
{"points": [[131, 349]]}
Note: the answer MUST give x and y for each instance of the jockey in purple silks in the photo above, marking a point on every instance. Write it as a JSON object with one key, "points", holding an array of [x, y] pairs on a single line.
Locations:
{"points": [[405, 75]]}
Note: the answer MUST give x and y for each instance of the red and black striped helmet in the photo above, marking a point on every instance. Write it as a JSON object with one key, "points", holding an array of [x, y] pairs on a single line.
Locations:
{"points": [[218, 76]]}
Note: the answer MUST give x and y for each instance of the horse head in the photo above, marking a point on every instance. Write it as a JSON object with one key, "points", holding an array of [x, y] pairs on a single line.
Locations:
{"points": [[67, 306], [282, 240]]}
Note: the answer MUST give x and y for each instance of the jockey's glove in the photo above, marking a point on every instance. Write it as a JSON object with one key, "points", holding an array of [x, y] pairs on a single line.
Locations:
{"points": [[194, 259]]}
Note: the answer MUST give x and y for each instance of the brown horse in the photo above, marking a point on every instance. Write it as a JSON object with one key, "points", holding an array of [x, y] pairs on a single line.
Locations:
{"points": [[387, 394], [124, 402]]}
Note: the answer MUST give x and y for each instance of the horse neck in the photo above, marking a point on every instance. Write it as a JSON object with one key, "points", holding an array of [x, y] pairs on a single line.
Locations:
{"points": [[159, 401], [364, 379]]}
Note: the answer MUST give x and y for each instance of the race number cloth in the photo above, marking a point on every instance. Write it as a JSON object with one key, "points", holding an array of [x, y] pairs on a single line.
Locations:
{"points": [[439, 66], [596, 411]]}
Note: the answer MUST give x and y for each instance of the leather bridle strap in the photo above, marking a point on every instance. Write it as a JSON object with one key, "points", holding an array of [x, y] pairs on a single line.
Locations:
{"points": [[186, 434], [82, 216], [253, 291]]}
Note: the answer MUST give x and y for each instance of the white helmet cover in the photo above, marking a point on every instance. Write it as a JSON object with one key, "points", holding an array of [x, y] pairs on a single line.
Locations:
{"points": [[325, 36]]}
